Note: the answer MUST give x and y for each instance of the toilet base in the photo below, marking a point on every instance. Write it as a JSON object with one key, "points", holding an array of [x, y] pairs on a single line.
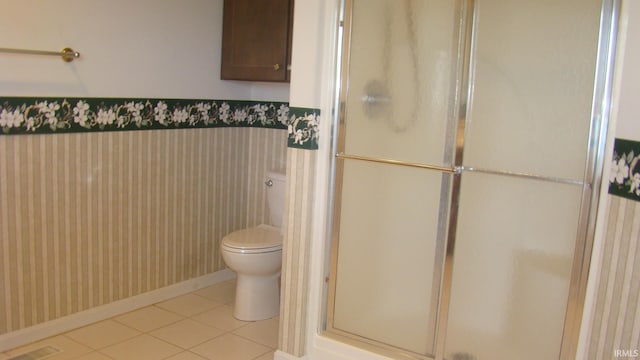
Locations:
{"points": [[257, 297]]}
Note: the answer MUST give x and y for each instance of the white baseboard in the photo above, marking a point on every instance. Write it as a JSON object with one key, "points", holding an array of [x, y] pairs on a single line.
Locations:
{"points": [[86, 317], [281, 355]]}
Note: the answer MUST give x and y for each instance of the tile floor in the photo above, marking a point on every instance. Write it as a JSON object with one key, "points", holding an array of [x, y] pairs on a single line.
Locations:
{"points": [[195, 326]]}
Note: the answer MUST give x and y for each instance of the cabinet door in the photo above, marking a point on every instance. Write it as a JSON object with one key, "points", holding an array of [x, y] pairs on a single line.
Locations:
{"points": [[256, 40]]}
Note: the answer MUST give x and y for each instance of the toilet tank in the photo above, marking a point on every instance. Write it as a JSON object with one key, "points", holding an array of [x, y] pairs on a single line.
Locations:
{"points": [[275, 197]]}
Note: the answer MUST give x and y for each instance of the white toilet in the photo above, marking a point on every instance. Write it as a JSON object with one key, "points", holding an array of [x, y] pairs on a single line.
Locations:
{"points": [[255, 254]]}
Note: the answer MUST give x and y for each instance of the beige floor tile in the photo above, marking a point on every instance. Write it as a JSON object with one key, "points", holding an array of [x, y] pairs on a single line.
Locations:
{"points": [[223, 292], [221, 318], [148, 318], [186, 333], [230, 347], [267, 356], [264, 332], [69, 348], [186, 356], [102, 334], [143, 347], [169, 332], [188, 305], [93, 356]]}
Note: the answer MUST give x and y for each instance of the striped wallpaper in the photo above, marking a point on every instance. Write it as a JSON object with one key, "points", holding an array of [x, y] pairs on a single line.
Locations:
{"points": [[301, 165], [91, 218], [616, 321]]}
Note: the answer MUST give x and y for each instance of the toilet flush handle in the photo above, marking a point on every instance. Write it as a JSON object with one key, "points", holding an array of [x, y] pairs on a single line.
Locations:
{"points": [[269, 183]]}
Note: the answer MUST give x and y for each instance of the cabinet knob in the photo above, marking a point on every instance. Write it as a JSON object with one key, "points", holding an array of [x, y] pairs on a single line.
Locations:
{"points": [[276, 67]]}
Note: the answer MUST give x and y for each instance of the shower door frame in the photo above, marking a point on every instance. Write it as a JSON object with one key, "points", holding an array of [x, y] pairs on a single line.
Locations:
{"points": [[450, 185], [450, 188]]}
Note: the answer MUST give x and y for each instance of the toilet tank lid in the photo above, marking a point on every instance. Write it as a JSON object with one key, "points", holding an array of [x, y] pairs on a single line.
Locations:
{"points": [[259, 237]]}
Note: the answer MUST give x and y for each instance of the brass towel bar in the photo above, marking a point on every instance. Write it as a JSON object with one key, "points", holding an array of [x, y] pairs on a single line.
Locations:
{"points": [[460, 169], [67, 54]]}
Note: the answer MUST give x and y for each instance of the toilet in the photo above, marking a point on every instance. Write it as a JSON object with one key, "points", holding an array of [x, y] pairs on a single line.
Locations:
{"points": [[255, 255]]}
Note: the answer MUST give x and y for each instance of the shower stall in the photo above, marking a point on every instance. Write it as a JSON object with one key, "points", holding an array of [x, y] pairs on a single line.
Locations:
{"points": [[468, 153]]}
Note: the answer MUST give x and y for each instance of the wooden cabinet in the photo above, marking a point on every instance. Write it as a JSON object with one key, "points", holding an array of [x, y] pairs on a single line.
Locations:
{"points": [[256, 40]]}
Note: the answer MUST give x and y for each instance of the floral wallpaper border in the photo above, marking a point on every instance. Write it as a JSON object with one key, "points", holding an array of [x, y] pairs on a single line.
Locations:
{"points": [[52, 115], [303, 128], [624, 179]]}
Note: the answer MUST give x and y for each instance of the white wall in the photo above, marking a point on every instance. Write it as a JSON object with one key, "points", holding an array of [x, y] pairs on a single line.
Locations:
{"points": [[628, 74], [141, 48], [307, 57]]}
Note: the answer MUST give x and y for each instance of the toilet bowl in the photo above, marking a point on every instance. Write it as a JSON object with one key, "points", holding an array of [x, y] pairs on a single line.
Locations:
{"points": [[255, 255]]}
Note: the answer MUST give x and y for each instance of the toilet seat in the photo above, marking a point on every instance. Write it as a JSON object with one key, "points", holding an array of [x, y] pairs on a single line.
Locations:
{"points": [[260, 239]]}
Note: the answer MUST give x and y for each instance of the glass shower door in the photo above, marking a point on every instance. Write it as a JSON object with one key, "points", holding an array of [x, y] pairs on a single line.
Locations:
{"points": [[525, 180], [464, 175], [394, 172]]}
